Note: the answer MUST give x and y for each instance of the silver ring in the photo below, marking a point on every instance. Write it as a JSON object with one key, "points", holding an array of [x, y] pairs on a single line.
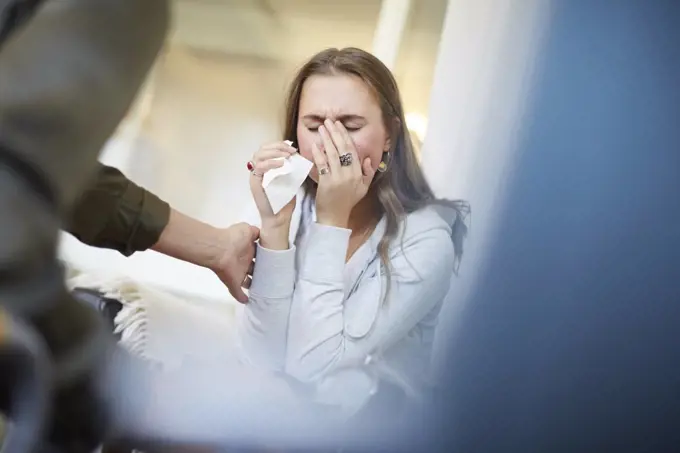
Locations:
{"points": [[346, 160], [323, 171], [254, 173]]}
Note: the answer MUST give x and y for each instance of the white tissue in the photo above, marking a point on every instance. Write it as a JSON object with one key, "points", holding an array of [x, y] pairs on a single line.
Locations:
{"points": [[282, 184]]}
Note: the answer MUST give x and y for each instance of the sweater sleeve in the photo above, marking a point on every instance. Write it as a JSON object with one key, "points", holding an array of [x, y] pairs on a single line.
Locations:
{"points": [[264, 323]]}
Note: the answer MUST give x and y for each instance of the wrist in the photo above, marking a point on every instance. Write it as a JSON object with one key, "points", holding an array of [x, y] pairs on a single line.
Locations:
{"points": [[275, 224], [190, 240], [275, 237], [214, 245]]}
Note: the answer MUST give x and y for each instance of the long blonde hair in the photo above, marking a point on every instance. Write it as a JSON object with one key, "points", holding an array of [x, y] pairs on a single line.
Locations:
{"points": [[401, 189]]}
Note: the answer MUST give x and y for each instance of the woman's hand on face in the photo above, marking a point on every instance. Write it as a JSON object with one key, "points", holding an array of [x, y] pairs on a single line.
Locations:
{"points": [[340, 187], [267, 158]]}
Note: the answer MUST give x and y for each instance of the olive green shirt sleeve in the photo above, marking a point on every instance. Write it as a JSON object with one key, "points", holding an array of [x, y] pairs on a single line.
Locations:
{"points": [[115, 213]]}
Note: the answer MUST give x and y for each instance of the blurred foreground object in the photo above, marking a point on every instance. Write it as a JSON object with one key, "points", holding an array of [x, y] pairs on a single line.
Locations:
{"points": [[69, 71], [569, 342], [24, 393]]}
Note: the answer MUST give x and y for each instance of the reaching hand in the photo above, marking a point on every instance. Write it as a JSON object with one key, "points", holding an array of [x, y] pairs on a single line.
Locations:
{"points": [[235, 264], [340, 186]]}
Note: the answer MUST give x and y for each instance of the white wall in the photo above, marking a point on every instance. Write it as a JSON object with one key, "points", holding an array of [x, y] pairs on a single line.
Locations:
{"points": [[483, 72]]}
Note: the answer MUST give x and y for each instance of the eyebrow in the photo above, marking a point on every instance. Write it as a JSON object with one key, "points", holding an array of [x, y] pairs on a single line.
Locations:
{"points": [[341, 118]]}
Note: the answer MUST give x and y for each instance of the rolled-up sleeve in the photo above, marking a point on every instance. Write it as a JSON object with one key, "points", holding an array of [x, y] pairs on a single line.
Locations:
{"points": [[115, 213]]}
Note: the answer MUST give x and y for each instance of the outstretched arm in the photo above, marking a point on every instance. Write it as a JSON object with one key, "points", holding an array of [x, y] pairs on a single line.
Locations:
{"points": [[116, 213]]}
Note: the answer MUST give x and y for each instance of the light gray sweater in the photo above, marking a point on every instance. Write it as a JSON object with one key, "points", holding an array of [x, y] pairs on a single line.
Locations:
{"points": [[327, 322]]}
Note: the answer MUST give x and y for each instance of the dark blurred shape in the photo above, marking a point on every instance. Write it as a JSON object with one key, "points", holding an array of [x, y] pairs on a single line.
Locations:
{"points": [[24, 386], [69, 71], [106, 306], [570, 342], [14, 14]]}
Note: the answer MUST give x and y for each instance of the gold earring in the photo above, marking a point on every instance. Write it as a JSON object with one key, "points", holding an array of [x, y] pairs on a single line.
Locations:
{"points": [[382, 167]]}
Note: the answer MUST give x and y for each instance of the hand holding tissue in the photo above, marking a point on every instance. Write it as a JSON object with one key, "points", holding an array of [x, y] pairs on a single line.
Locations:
{"points": [[282, 184]]}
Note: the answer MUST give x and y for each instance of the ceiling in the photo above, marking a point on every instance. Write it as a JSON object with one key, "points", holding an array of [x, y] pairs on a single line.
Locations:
{"points": [[289, 31], [292, 30], [280, 30]]}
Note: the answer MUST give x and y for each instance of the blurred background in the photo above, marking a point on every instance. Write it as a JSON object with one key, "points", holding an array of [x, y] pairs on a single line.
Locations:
{"points": [[216, 95]]}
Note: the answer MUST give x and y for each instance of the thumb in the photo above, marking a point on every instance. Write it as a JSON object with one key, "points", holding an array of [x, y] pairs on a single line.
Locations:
{"points": [[367, 170], [239, 295], [254, 233], [236, 291]]}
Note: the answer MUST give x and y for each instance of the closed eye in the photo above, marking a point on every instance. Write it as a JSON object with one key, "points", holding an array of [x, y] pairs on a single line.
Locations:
{"points": [[315, 128]]}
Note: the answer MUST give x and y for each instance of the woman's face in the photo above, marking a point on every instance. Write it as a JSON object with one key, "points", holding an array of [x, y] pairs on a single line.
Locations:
{"points": [[345, 98]]}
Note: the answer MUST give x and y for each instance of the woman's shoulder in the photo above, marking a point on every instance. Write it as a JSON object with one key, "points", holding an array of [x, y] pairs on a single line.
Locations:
{"points": [[423, 246], [424, 231], [428, 220]]}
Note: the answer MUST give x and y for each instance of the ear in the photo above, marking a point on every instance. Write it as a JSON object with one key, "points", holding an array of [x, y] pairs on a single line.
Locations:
{"points": [[388, 145]]}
